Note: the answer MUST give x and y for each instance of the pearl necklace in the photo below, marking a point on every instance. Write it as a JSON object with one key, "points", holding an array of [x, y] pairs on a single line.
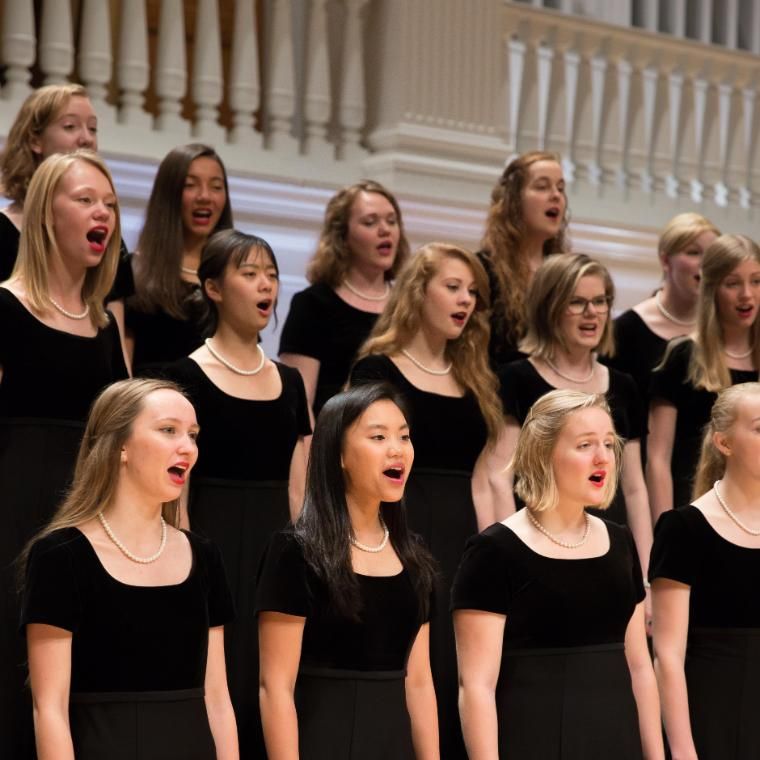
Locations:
{"points": [[189, 270], [123, 549], [231, 366], [726, 509], [418, 363], [70, 314], [371, 549], [364, 295], [552, 537], [739, 356], [665, 313], [578, 380]]}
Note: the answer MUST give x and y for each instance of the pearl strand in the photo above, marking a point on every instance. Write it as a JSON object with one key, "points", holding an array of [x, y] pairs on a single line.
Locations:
{"points": [[372, 549], [559, 541], [123, 549], [231, 366]]}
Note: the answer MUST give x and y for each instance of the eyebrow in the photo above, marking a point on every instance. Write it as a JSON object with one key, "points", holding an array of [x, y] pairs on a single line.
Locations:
{"points": [[593, 433], [176, 419], [380, 426]]}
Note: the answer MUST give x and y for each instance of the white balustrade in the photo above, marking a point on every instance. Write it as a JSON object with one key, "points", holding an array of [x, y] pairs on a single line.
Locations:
{"points": [[352, 95], [244, 75], [18, 48], [94, 56], [171, 69], [132, 67], [56, 48], [207, 84], [282, 94], [317, 86]]}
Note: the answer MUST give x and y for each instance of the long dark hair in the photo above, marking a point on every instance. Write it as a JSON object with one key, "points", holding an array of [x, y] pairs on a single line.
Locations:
{"points": [[221, 248], [324, 524]]}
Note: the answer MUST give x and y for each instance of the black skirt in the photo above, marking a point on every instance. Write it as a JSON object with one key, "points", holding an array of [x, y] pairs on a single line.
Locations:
{"points": [[239, 517], [352, 715], [569, 703], [723, 681], [440, 509], [151, 725], [36, 464]]}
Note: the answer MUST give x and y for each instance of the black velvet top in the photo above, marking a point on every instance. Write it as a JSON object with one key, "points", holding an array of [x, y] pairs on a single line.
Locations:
{"points": [[242, 439], [49, 373], [447, 432], [381, 640], [522, 386], [693, 407], [321, 325], [724, 577], [550, 602], [126, 638]]}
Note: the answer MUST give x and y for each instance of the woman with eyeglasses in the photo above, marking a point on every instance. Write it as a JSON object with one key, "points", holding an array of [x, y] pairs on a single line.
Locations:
{"points": [[568, 308]]}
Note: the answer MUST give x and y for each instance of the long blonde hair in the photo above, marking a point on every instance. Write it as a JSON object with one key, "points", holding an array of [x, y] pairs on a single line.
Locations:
{"points": [[401, 320], [707, 366], [38, 240], [535, 482], [96, 474], [725, 410], [681, 231]]}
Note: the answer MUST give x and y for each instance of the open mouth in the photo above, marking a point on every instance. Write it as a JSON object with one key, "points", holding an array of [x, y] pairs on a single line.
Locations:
{"points": [[553, 213], [597, 478], [460, 318], [97, 238], [588, 329], [264, 306], [395, 474], [202, 216], [385, 247], [745, 311], [178, 473]]}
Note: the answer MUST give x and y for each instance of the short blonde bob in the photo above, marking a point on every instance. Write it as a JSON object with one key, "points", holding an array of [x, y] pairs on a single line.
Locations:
{"points": [[535, 482], [549, 295]]}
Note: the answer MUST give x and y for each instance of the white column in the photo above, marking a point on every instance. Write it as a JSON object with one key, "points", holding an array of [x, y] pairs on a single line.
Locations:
{"points": [[650, 14], [705, 21], [95, 57], [19, 43], [56, 49], [730, 13], [701, 86], [281, 95], [171, 69], [624, 72], [352, 96], [675, 11], [544, 57], [675, 99], [725, 93], [517, 50], [317, 89], [598, 79], [649, 77], [572, 61], [133, 63], [748, 143], [207, 72], [244, 76]]}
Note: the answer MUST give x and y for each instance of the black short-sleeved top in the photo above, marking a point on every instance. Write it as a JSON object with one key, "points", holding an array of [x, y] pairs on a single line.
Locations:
{"points": [[49, 373], [380, 640], [724, 577], [447, 432], [126, 638], [242, 439], [550, 602], [522, 386], [638, 350], [321, 325]]}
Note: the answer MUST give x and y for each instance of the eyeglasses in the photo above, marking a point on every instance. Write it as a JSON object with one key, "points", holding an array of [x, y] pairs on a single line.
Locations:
{"points": [[578, 305]]}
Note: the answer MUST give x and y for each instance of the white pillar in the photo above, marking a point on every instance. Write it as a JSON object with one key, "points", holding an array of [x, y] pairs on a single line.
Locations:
{"points": [[171, 69], [282, 98], [572, 61], [56, 49], [317, 97], [352, 96], [19, 43], [675, 99], [95, 57], [598, 81], [133, 63], [517, 50], [624, 73], [650, 81], [544, 58], [701, 86], [244, 76], [207, 85]]}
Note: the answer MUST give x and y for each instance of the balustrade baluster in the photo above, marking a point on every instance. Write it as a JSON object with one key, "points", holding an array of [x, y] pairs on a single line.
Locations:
{"points": [[725, 94], [207, 86], [675, 99], [352, 96], [171, 69], [748, 114], [598, 81], [56, 48], [572, 61], [317, 98], [624, 73], [701, 86], [281, 95], [19, 44], [244, 76], [650, 82], [133, 63], [544, 58], [95, 57]]}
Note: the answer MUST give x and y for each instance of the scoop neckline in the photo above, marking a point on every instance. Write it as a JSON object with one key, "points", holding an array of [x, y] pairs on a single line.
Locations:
{"points": [[722, 538], [380, 577], [418, 389], [562, 559], [240, 398]]}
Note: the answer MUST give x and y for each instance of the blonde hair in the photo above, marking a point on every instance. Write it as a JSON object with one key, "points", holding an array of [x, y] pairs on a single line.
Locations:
{"points": [[331, 262], [725, 411], [96, 474], [681, 231], [707, 366], [504, 242], [38, 241], [550, 293], [401, 320], [18, 161], [532, 465]]}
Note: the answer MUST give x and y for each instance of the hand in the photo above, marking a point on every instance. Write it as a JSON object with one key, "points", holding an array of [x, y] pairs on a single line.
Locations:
{"points": [[648, 611]]}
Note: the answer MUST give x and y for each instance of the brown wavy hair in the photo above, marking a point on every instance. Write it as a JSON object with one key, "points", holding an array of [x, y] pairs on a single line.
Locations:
{"points": [[18, 161], [468, 354], [331, 262], [504, 243]]}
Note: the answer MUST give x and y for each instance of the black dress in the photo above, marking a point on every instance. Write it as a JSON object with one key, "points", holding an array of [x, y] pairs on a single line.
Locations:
{"points": [[564, 688], [522, 386], [138, 653], [321, 325], [448, 434], [238, 499], [49, 380], [722, 662], [350, 692], [693, 407]]}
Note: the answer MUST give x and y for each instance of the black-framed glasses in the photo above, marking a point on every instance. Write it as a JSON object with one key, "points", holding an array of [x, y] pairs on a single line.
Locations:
{"points": [[578, 305]]}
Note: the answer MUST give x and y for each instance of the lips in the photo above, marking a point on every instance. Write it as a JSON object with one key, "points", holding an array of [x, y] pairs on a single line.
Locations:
{"points": [[202, 216], [385, 248], [459, 318], [264, 306], [395, 473], [597, 478], [178, 473], [745, 311], [97, 237]]}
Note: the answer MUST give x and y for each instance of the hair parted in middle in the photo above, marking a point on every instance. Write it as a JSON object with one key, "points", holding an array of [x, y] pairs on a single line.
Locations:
{"points": [[324, 525], [160, 246], [550, 294], [535, 482], [38, 240], [331, 262], [725, 411], [681, 231], [401, 320]]}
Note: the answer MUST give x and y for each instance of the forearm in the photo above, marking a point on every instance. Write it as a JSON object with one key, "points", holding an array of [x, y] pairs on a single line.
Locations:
{"points": [[280, 723], [420, 701], [659, 485], [648, 706], [482, 499], [52, 734], [640, 523], [477, 709], [671, 680], [221, 718]]}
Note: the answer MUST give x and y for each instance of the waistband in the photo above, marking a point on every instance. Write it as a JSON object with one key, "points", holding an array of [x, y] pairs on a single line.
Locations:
{"points": [[177, 695], [617, 646], [351, 675]]}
